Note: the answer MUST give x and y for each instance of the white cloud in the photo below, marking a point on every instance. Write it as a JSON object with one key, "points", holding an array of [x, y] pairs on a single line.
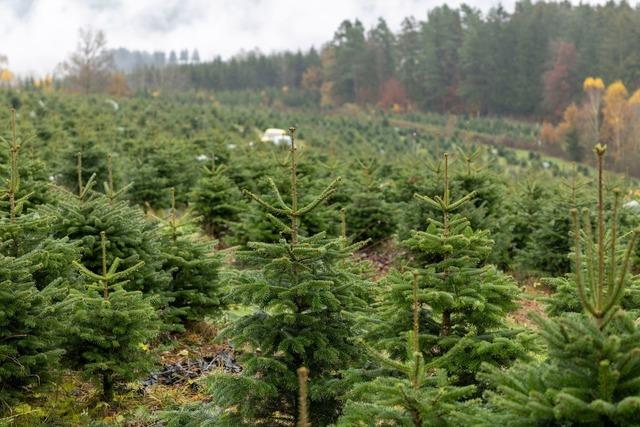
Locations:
{"points": [[38, 34]]}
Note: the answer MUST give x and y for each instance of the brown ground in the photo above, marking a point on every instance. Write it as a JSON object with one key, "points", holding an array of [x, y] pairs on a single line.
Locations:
{"points": [[529, 303]]}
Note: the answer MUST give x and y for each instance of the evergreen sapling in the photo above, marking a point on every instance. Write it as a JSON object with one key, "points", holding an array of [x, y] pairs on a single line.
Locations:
{"points": [[109, 327], [591, 376], [302, 301], [408, 393], [195, 290], [464, 302], [217, 200]]}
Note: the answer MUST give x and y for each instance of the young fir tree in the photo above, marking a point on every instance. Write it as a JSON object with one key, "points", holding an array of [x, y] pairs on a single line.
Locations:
{"points": [[486, 211], [550, 235], [486, 208], [108, 326], [254, 226], [28, 279], [406, 392], [26, 225], [463, 301], [369, 215], [302, 300], [132, 237], [217, 200], [565, 298], [591, 376], [81, 159], [161, 165], [525, 215], [422, 180], [195, 288], [28, 354]]}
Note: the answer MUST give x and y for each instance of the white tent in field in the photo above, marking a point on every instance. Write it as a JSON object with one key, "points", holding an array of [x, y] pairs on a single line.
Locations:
{"points": [[276, 136]]}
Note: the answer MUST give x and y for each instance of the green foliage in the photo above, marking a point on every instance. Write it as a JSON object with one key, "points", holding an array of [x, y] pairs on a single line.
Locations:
{"points": [[296, 296], [24, 228], [549, 228], [369, 215], [312, 179], [160, 166], [108, 326], [82, 159], [414, 398], [302, 299], [217, 200], [31, 267], [195, 290], [590, 378], [132, 237], [592, 373], [464, 301], [28, 355]]}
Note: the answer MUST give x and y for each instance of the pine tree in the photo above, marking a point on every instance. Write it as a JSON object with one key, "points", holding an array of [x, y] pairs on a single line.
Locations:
{"points": [[591, 376], [195, 289], [463, 301], [109, 326], [217, 200], [302, 301], [415, 397]]}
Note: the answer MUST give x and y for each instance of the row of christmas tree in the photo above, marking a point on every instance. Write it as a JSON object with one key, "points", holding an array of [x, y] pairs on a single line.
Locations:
{"points": [[90, 281]]}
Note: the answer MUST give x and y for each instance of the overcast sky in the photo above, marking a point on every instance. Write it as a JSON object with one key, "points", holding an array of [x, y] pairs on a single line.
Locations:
{"points": [[37, 34]]}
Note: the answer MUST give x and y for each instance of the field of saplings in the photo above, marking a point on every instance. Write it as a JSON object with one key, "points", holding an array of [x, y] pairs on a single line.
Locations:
{"points": [[164, 261]]}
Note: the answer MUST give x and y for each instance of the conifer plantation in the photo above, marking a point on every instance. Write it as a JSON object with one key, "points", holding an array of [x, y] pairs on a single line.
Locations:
{"points": [[422, 222]]}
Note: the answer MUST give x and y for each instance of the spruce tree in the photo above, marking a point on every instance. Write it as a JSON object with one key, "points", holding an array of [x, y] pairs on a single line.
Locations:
{"points": [[108, 327], [404, 392], [591, 376], [217, 200], [464, 301], [302, 301]]}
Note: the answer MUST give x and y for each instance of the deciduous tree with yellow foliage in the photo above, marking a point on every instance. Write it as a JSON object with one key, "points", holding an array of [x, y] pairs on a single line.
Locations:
{"points": [[614, 111], [6, 76], [593, 87]]}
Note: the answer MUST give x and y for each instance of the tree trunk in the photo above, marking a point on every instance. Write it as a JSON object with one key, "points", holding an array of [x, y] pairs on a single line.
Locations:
{"points": [[107, 387], [446, 322], [417, 419]]}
